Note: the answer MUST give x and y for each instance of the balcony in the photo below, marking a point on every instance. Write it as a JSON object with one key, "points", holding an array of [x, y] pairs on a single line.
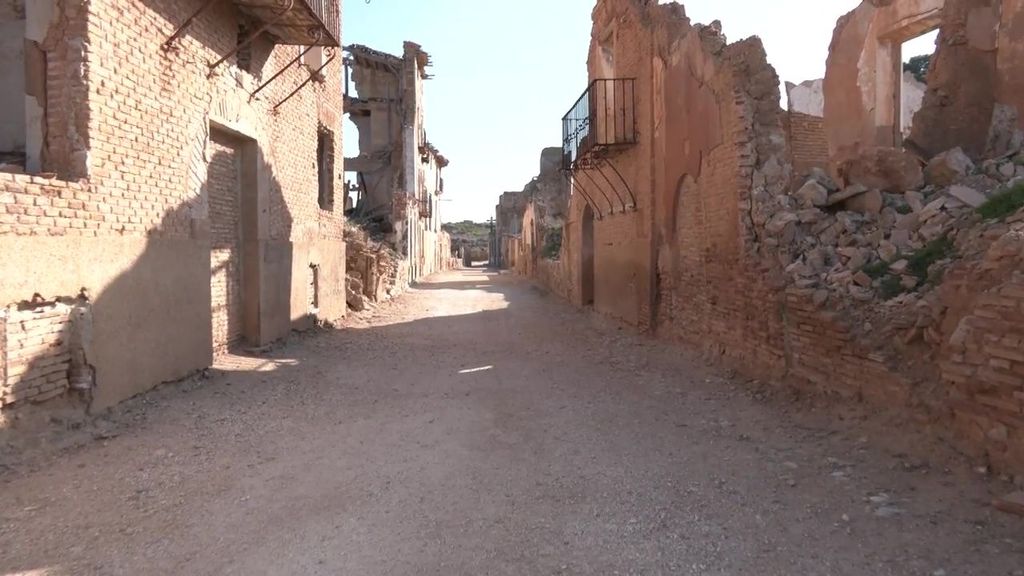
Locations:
{"points": [[302, 22], [603, 119]]}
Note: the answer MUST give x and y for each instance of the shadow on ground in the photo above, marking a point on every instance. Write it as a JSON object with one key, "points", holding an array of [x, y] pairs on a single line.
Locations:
{"points": [[477, 426]]}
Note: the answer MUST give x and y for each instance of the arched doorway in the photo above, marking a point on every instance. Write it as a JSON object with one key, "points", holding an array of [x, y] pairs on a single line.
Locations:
{"points": [[587, 258]]}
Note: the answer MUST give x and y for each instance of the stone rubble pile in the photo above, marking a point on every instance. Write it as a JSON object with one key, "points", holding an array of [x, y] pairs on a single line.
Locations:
{"points": [[889, 232], [374, 272]]}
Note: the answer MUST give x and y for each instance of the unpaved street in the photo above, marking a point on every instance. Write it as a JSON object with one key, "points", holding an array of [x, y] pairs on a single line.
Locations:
{"points": [[478, 426]]}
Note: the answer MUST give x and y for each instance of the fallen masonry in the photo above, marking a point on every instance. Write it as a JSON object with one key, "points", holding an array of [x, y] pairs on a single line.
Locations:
{"points": [[828, 246]]}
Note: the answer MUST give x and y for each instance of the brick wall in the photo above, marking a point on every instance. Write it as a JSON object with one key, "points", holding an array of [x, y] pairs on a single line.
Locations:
{"points": [[37, 206], [224, 190], [134, 215], [807, 142], [35, 353], [981, 356], [721, 284]]}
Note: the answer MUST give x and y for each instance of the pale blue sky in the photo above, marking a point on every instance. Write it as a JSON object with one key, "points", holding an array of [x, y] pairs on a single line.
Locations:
{"points": [[506, 72]]}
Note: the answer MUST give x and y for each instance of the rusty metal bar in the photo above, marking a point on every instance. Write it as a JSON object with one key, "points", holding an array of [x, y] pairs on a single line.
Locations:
{"points": [[577, 185], [611, 206], [281, 71], [249, 40], [184, 25], [625, 184], [312, 76], [600, 170]]}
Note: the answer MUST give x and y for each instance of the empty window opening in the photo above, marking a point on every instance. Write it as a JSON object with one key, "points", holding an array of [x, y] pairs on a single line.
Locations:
{"points": [[243, 58], [917, 57], [13, 121], [325, 168], [313, 296]]}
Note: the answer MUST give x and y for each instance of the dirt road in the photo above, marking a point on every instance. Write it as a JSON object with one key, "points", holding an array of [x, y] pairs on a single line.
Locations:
{"points": [[478, 426]]}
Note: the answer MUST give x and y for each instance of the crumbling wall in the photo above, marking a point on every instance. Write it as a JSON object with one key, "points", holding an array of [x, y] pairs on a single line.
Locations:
{"points": [[544, 222], [1010, 54], [375, 271], [975, 69], [958, 105], [508, 222], [982, 348], [714, 292], [886, 287], [44, 351], [378, 116], [805, 125], [864, 71]]}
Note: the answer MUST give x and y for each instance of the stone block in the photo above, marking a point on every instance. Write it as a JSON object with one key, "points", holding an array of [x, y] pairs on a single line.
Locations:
{"points": [[948, 168]]}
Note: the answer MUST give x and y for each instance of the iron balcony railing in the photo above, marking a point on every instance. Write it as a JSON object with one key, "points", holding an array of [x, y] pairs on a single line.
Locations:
{"points": [[604, 117], [329, 14]]}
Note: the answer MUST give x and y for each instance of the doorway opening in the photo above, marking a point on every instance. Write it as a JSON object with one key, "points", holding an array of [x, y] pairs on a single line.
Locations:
{"points": [[234, 264], [916, 59], [587, 258]]}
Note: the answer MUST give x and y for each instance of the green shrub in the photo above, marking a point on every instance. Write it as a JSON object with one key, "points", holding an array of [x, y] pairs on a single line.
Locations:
{"points": [[1004, 203], [891, 287], [917, 266], [919, 262], [876, 269], [552, 244]]}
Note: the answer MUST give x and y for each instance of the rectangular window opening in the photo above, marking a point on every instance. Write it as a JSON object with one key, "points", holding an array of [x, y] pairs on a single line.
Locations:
{"points": [[325, 168]]}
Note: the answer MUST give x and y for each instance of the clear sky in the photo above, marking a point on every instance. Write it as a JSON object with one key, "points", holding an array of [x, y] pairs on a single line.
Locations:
{"points": [[506, 73]]}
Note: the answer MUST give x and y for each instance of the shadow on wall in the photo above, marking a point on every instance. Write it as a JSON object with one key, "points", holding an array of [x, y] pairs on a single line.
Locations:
{"points": [[212, 274]]}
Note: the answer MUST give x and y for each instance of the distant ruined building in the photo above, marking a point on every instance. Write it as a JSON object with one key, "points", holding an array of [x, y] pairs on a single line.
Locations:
{"points": [[398, 171], [843, 245]]}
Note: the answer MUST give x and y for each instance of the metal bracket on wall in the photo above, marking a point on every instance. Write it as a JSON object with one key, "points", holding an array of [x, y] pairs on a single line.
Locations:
{"points": [[604, 177], [169, 43], [312, 76], [287, 6], [317, 35], [579, 187]]}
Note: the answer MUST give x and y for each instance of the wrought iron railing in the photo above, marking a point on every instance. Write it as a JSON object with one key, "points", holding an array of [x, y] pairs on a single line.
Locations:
{"points": [[603, 117], [329, 14]]}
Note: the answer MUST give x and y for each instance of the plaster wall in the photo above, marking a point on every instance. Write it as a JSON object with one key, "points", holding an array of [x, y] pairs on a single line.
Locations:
{"points": [[864, 69], [151, 302]]}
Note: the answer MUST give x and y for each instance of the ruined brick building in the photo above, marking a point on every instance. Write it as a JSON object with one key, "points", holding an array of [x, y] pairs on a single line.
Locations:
{"points": [[530, 222], [398, 170], [168, 188], [835, 245]]}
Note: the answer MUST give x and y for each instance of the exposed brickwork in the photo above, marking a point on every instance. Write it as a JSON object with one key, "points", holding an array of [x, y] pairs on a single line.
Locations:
{"points": [[35, 353], [807, 142], [223, 187], [720, 281], [982, 350], [34, 206], [128, 133]]}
